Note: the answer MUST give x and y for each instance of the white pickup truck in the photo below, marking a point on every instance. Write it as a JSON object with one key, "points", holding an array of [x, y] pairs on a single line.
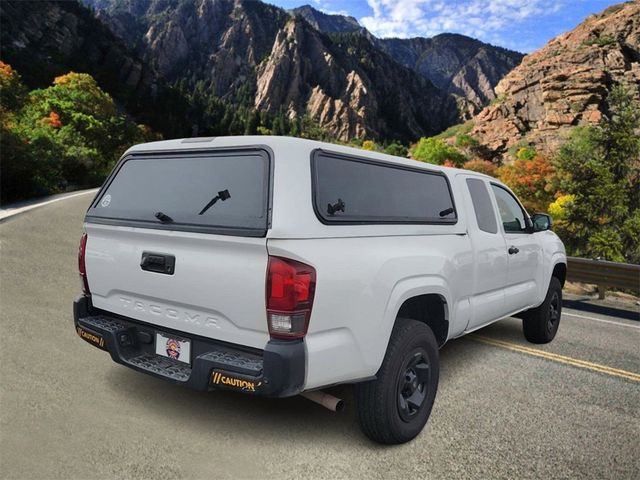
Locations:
{"points": [[279, 266]]}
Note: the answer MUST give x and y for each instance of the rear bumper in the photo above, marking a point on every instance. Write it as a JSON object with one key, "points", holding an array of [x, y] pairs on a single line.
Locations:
{"points": [[276, 371]]}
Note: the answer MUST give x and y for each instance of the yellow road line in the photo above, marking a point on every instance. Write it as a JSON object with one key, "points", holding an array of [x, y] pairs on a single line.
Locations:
{"points": [[596, 367]]}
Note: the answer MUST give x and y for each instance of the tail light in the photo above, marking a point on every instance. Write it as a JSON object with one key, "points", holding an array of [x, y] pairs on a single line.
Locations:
{"points": [[290, 289], [82, 268]]}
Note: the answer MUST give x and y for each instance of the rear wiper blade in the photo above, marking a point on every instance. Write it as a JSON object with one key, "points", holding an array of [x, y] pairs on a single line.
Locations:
{"points": [[222, 195], [163, 217]]}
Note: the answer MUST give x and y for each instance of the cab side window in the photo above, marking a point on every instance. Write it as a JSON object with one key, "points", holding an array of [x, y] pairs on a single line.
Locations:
{"points": [[485, 216], [513, 216]]}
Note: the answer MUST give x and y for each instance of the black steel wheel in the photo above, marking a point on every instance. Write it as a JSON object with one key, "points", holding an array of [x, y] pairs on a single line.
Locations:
{"points": [[395, 407], [413, 385], [555, 307]]}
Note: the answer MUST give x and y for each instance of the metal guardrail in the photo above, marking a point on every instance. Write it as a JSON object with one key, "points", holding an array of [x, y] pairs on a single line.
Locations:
{"points": [[604, 274]]}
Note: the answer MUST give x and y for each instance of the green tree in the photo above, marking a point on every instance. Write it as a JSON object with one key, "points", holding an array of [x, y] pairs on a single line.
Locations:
{"points": [[28, 168], [600, 167], [279, 125], [438, 152], [253, 122], [12, 91], [83, 120], [67, 135], [396, 149], [311, 129]]}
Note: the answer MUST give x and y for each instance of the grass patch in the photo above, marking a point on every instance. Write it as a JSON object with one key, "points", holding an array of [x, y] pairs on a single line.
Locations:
{"points": [[499, 99], [600, 41], [612, 9], [576, 107], [455, 130]]}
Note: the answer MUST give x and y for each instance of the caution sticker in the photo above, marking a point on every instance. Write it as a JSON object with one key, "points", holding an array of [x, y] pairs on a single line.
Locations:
{"points": [[218, 378], [92, 338]]}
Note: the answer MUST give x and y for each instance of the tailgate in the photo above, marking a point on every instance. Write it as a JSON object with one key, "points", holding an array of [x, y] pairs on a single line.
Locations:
{"points": [[217, 289]]}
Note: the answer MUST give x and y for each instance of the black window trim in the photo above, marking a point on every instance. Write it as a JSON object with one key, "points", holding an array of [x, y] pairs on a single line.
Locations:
{"points": [[361, 159], [262, 150], [527, 219]]}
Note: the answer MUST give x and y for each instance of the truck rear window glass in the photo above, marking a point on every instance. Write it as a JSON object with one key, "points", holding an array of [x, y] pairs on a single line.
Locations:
{"points": [[485, 214], [188, 192], [358, 191]]}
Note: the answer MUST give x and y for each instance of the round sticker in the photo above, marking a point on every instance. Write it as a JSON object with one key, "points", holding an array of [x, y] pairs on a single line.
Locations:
{"points": [[106, 200], [173, 348]]}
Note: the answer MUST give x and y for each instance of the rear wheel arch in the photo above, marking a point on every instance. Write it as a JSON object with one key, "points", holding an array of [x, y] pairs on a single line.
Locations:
{"points": [[431, 309]]}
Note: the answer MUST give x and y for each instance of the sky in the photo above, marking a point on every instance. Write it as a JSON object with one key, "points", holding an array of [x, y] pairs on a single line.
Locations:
{"points": [[522, 25]]}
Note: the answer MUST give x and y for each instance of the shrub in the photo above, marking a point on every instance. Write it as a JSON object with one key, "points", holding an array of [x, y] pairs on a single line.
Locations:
{"points": [[371, 146], [482, 166], [600, 41], [436, 151], [396, 149], [526, 153]]}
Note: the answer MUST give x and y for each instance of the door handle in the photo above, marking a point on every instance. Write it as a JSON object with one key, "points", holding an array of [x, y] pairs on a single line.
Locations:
{"points": [[513, 250]]}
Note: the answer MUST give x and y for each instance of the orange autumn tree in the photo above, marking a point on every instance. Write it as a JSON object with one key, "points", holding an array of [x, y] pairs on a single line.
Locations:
{"points": [[482, 166], [53, 119], [12, 91], [533, 179]]}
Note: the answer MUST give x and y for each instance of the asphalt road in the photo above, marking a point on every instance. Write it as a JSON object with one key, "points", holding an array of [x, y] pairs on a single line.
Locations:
{"points": [[505, 408]]}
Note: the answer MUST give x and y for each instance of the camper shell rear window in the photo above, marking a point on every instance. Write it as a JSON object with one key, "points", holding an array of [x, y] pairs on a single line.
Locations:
{"points": [[354, 190], [224, 192]]}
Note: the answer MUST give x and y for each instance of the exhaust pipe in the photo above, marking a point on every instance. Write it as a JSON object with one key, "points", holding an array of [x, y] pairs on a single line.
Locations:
{"points": [[334, 404]]}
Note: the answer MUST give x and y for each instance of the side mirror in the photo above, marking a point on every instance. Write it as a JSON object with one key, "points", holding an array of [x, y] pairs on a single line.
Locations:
{"points": [[541, 222]]}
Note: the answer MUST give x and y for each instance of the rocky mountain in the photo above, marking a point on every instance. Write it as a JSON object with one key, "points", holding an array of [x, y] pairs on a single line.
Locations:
{"points": [[348, 86], [462, 66], [328, 23], [249, 52], [217, 41], [459, 65], [564, 84]]}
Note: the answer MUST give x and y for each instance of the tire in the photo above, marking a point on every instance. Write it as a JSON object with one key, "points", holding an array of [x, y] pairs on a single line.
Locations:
{"points": [[540, 324], [410, 369]]}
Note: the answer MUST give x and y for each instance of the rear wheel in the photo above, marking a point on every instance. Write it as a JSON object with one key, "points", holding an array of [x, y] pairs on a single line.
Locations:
{"points": [[395, 407], [541, 324]]}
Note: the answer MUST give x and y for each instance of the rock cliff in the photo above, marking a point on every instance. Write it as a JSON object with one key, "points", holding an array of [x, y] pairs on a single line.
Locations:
{"points": [[459, 65], [349, 87], [565, 83]]}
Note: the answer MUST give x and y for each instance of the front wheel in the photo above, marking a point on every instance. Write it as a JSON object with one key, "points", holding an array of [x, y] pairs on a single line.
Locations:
{"points": [[395, 407], [541, 324]]}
